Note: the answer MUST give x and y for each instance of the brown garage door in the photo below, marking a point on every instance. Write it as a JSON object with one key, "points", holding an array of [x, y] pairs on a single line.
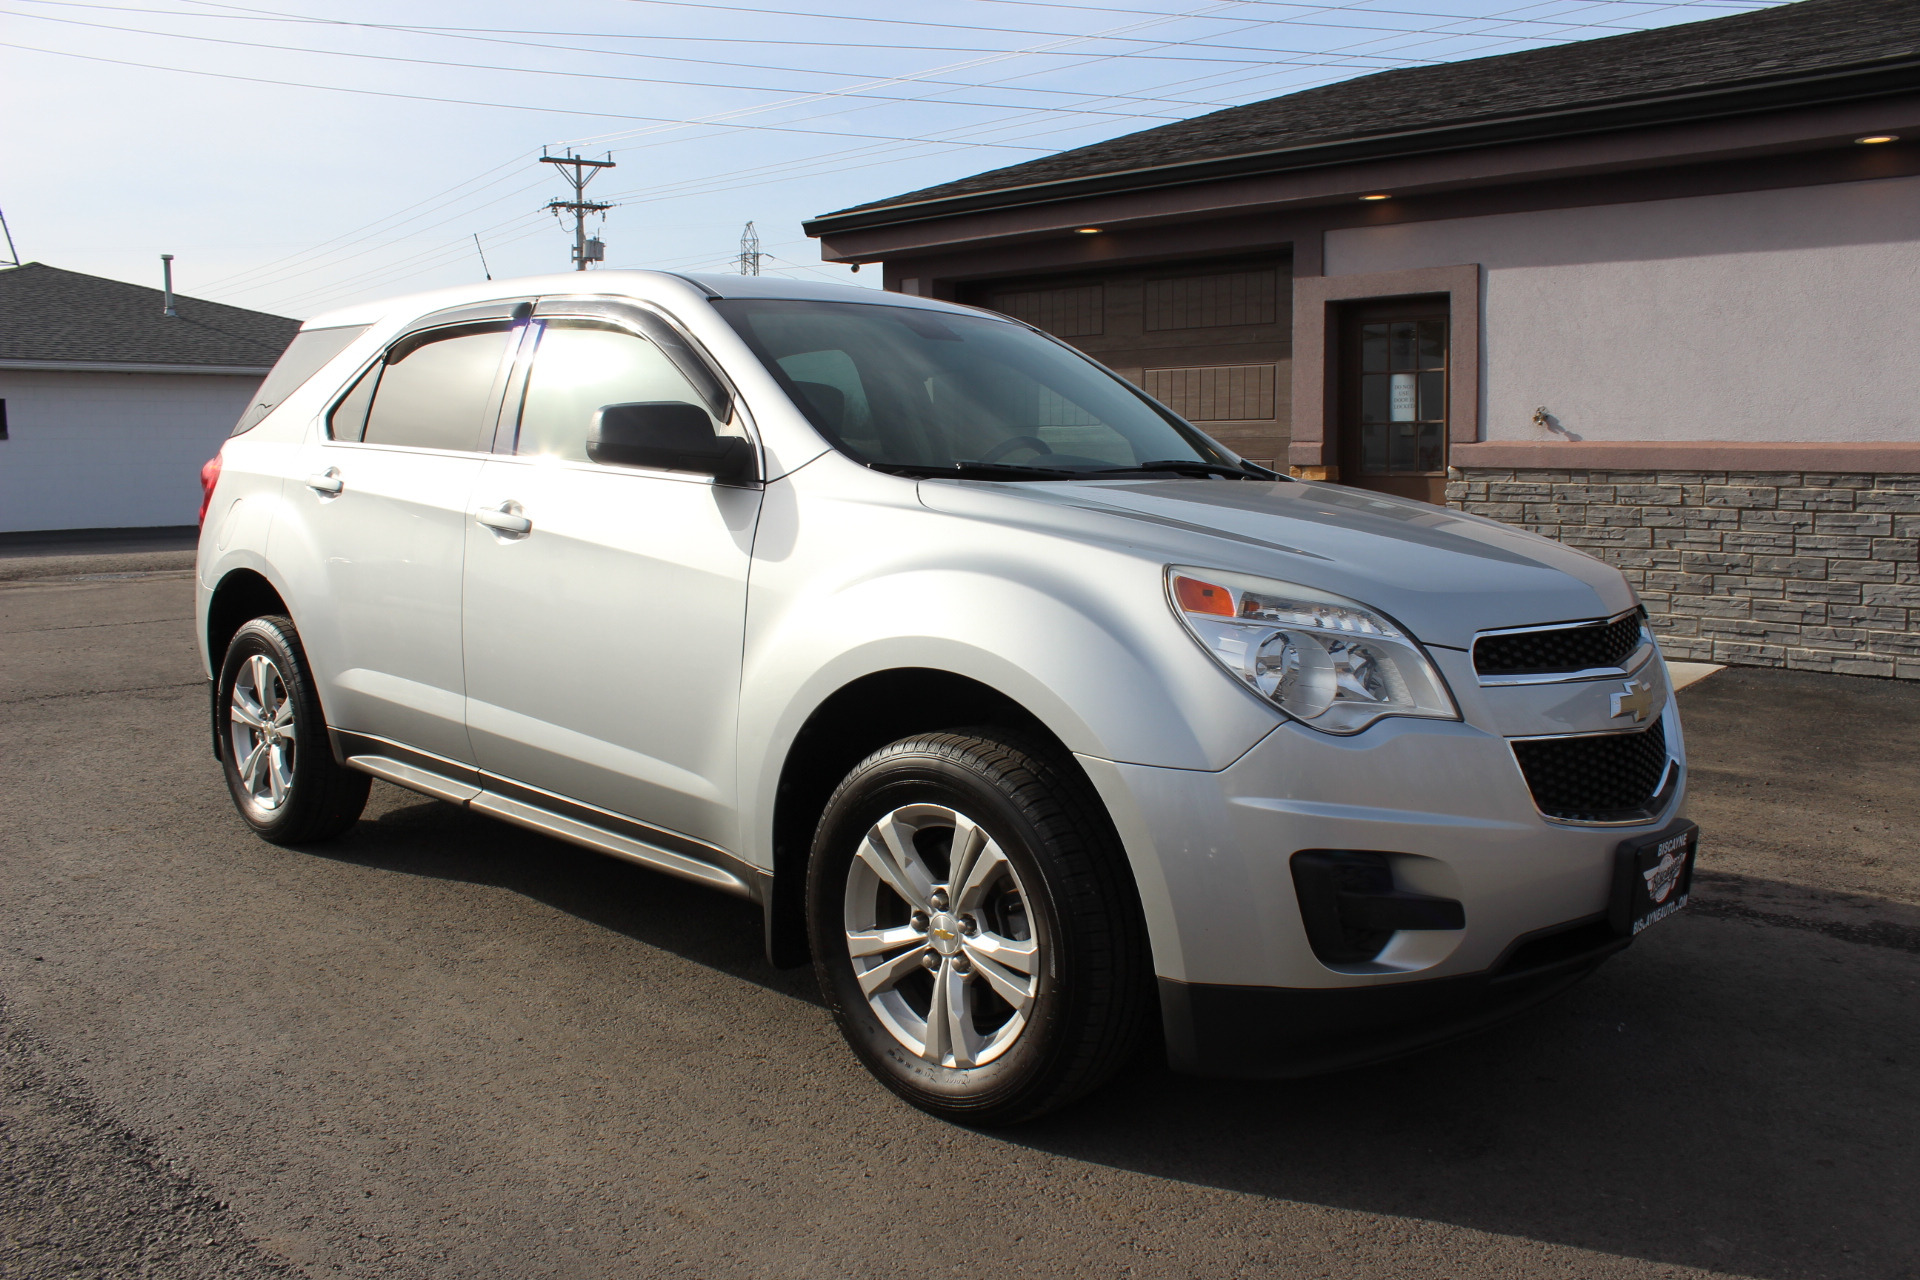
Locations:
{"points": [[1212, 341]]}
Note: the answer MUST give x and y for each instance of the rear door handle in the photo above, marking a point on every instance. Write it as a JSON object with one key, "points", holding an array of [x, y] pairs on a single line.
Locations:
{"points": [[328, 481], [505, 518]]}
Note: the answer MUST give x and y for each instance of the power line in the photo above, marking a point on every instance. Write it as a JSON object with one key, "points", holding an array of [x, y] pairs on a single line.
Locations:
{"points": [[458, 102]]}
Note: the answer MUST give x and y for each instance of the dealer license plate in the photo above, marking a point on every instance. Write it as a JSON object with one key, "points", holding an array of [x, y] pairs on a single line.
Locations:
{"points": [[1653, 876]]}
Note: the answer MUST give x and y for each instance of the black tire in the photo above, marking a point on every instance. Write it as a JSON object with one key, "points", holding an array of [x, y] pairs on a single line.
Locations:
{"points": [[1067, 884], [312, 798]]}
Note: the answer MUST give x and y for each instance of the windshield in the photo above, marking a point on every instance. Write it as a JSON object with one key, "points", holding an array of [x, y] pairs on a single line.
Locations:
{"points": [[903, 388]]}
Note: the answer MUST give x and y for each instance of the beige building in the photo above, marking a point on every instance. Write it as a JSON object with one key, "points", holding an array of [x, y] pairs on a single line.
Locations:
{"points": [[1651, 294]]}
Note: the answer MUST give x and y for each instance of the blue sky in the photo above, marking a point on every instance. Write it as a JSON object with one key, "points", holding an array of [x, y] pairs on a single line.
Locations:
{"points": [[299, 154]]}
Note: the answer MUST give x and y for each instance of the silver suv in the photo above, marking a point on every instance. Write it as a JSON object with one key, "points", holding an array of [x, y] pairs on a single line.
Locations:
{"points": [[1037, 720]]}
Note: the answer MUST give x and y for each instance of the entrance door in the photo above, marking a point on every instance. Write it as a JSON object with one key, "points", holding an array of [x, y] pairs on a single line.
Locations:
{"points": [[1393, 397]]}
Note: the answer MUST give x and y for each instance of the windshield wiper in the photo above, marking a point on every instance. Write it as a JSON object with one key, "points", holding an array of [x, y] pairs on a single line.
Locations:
{"points": [[974, 471], [1193, 467]]}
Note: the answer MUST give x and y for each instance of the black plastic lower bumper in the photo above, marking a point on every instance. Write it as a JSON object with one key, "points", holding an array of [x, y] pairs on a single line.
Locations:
{"points": [[1283, 1032]]}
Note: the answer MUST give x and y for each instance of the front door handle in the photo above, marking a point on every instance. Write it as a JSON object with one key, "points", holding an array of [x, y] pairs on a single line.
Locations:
{"points": [[505, 518], [327, 482]]}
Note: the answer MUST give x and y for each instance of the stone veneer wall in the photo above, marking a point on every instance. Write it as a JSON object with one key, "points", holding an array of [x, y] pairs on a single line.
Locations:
{"points": [[1814, 571]]}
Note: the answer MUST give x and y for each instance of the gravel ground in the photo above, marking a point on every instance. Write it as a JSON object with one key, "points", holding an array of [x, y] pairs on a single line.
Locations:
{"points": [[447, 1047]]}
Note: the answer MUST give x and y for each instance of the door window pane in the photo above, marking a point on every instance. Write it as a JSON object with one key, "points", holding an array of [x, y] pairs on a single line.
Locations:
{"points": [[1373, 348], [434, 394], [1433, 396], [1433, 344], [1375, 396], [1404, 352], [1373, 447], [348, 421], [579, 368]]}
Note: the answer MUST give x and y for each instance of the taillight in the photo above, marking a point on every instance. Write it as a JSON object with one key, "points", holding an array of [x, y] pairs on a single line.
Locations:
{"points": [[209, 477]]}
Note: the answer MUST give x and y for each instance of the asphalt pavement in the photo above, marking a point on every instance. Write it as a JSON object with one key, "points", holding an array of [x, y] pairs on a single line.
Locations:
{"points": [[444, 1047]]}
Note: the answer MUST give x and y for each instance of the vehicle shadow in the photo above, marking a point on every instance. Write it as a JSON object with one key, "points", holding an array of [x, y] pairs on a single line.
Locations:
{"points": [[1727, 1094], [412, 835]]}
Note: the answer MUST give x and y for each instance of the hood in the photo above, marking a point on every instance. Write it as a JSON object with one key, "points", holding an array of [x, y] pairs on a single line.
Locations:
{"points": [[1441, 574]]}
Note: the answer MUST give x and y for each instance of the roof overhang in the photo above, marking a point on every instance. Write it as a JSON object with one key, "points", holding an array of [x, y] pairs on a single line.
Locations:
{"points": [[1853, 83], [115, 366]]}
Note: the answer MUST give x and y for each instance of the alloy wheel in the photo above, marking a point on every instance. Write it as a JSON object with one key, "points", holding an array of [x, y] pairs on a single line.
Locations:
{"points": [[263, 736], [943, 945]]}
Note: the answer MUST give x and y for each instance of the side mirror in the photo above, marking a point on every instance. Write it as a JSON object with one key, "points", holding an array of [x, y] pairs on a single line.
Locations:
{"points": [[669, 435]]}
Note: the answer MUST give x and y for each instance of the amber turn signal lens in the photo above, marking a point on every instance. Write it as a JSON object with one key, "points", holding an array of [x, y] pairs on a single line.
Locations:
{"points": [[1196, 596]]}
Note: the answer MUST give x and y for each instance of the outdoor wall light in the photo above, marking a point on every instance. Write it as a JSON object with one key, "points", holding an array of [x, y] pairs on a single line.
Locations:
{"points": [[1381, 195], [1872, 138], [1087, 231]]}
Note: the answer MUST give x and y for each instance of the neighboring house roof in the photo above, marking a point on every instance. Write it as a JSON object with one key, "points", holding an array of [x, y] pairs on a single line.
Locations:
{"points": [[51, 318], [1795, 54]]}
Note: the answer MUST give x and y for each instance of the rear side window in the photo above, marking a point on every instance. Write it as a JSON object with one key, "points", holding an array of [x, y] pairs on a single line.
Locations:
{"points": [[305, 356], [432, 391]]}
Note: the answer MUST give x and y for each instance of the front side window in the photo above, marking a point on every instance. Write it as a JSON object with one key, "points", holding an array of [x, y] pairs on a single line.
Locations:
{"points": [[432, 391], [579, 368], [913, 388]]}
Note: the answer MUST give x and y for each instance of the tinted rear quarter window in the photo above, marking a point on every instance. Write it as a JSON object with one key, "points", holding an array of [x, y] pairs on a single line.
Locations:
{"points": [[435, 390], [305, 356]]}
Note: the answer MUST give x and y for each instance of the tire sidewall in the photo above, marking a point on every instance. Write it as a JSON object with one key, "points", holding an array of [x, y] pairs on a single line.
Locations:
{"points": [[275, 638], [886, 783]]}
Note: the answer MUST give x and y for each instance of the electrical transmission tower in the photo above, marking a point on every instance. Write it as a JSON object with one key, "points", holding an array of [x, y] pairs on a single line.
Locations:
{"points": [[585, 248], [749, 251]]}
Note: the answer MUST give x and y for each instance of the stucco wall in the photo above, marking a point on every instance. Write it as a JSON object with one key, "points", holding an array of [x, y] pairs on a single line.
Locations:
{"points": [[111, 450], [1767, 316]]}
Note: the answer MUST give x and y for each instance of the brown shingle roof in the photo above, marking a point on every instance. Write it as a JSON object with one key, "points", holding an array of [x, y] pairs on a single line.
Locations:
{"points": [[54, 315], [1816, 49]]}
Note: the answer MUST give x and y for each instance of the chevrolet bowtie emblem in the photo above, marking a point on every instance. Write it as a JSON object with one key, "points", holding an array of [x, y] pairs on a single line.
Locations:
{"points": [[1635, 700]]}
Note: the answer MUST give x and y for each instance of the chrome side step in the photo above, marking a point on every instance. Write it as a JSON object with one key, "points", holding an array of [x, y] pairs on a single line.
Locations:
{"points": [[414, 778], [588, 836], [535, 810]]}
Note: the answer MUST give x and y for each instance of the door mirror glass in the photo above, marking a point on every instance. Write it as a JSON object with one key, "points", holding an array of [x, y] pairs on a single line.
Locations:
{"points": [[668, 435]]}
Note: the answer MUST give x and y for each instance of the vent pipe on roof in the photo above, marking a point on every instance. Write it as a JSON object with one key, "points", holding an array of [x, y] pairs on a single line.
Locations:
{"points": [[166, 271]]}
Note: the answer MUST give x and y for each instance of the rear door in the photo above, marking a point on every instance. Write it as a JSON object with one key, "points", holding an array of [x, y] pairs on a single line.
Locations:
{"points": [[384, 503], [603, 639]]}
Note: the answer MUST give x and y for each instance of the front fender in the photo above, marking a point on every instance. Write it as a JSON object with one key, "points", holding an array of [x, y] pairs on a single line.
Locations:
{"points": [[1078, 634]]}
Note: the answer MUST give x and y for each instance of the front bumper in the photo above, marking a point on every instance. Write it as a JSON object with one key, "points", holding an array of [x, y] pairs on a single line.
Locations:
{"points": [[1243, 991]]}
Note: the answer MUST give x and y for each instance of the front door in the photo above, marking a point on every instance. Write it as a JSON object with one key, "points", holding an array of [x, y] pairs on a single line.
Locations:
{"points": [[603, 641], [1393, 397], [382, 508]]}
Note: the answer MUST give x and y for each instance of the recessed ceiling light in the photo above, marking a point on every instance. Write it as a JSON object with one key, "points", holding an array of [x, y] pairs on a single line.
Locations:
{"points": [[1377, 196], [1872, 138], [1088, 231]]}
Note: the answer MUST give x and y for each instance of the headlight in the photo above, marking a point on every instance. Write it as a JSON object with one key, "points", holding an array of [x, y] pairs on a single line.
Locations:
{"points": [[1326, 661]]}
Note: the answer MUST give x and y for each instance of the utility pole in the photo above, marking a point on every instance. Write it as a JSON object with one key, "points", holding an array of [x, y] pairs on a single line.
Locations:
{"points": [[585, 250], [749, 251]]}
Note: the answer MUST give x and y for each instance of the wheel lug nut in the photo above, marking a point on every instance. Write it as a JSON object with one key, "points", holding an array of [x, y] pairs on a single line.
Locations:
{"points": [[919, 921], [939, 899], [969, 926], [963, 964], [930, 959]]}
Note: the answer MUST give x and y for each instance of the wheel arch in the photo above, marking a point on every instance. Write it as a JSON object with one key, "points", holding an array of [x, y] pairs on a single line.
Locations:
{"points": [[241, 595], [848, 725]]}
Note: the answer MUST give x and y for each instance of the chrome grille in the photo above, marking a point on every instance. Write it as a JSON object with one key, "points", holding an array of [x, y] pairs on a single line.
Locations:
{"points": [[1580, 647]]}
